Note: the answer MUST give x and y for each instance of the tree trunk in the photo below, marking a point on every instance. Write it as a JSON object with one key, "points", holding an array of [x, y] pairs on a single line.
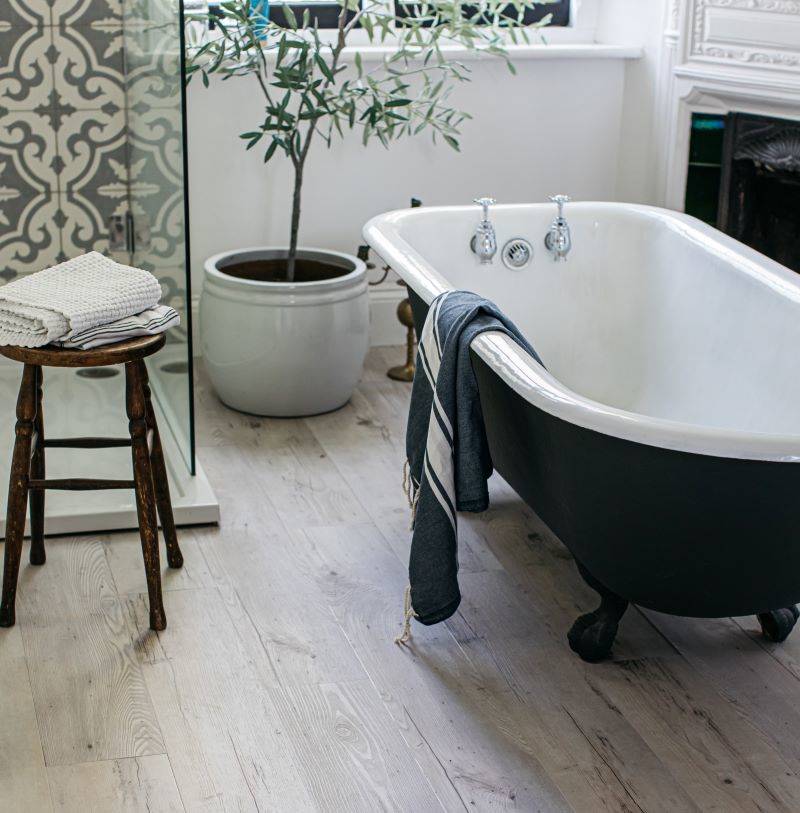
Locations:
{"points": [[298, 186]]}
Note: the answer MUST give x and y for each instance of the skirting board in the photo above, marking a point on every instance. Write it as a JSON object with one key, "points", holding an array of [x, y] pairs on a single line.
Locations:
{"points": [[384, 331]]}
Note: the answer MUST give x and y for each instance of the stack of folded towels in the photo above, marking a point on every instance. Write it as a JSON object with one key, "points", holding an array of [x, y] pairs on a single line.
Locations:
{"points": [[83, 303]]}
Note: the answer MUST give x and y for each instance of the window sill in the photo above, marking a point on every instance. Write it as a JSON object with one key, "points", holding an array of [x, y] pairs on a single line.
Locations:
{"points": [[516, 52]]}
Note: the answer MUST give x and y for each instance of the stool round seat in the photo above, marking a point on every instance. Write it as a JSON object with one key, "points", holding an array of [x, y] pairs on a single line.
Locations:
{"points": [[51, 355]]}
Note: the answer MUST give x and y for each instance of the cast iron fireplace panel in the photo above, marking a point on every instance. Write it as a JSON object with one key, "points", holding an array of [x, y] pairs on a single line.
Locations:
{"points": [[759, 202]]}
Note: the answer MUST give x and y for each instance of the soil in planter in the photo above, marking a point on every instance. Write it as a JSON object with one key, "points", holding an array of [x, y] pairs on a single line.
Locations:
{"points": [[275, 270]]}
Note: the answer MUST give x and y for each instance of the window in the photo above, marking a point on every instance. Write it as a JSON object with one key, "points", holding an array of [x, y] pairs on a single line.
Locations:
{"points": [[559, 11], [323, 12], [326, 13]]}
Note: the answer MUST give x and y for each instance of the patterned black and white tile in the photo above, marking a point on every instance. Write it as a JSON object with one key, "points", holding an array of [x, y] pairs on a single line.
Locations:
{"points": [[89, 67], [153, 76], [93, 181], [90, 128], [96, 14], [62, 123], [26, 14], [29, 232]]}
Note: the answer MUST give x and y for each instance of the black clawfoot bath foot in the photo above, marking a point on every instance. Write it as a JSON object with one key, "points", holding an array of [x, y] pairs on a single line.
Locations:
{"points": [[593, 634], [778, 624]]}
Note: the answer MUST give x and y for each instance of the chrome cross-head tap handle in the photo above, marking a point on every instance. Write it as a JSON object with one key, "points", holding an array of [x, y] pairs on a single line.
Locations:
{"points": [[558, 239], [484, 241], [561, 201], [485, 203]]}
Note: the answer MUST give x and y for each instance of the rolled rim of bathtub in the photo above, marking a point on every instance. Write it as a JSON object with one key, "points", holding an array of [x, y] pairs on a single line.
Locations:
{"points": [[530, 380]]}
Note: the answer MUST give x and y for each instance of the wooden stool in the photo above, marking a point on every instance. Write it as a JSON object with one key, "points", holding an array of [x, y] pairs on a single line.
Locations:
{"points": [[28, 464]]}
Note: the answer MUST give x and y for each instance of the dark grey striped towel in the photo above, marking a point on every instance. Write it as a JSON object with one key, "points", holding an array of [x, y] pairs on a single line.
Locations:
{"points": [[448, 454]]}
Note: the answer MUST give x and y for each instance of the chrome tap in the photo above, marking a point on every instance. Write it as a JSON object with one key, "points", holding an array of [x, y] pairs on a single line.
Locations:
{"points": [[558, 240], [484, 241]]}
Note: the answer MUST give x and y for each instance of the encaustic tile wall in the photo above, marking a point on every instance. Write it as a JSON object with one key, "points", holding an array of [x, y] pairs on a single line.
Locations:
{"points": [[90, 130]]}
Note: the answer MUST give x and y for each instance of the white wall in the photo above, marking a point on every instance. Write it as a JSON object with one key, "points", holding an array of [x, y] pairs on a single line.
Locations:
{"points": [[554, 127], [578, 125], [641, 23]]}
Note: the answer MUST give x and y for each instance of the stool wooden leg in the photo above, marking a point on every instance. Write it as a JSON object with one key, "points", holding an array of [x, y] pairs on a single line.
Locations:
{"points": [[18, 492], [145, 493], [36, 498], [160, 481]]}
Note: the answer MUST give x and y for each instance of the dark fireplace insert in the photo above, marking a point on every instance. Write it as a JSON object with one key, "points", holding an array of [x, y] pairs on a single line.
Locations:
{"points": [[751, 164]]}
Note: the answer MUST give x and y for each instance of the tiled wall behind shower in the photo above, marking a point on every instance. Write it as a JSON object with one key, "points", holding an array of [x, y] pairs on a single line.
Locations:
{"points": [[90, 127], [63, 167]]}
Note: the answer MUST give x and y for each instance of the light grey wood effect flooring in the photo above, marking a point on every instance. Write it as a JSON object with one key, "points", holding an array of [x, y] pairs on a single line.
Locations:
{"points": [[277, 685]]}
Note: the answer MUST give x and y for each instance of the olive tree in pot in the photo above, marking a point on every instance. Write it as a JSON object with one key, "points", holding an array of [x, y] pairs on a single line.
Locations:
{"points": [[285, 330]]}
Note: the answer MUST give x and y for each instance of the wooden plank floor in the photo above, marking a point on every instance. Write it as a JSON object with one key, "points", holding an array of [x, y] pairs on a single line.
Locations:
{"points": [[277, 685]]}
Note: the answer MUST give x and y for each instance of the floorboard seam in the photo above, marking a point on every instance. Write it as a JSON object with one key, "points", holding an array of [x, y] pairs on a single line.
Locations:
{"points": [[436, 757], [602, 759]]}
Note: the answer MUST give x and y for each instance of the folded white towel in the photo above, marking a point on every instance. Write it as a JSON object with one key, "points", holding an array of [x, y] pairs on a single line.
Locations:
{"points": [[72, 297], [148, 323]]}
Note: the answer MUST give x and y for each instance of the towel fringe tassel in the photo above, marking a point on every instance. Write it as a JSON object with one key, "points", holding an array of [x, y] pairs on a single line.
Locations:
{"points": [[407, 481], [408, 614], [411, 490]]}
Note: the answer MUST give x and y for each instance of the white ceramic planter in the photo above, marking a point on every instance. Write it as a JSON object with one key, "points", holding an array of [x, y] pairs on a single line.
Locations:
{"points": [[284, 349]]}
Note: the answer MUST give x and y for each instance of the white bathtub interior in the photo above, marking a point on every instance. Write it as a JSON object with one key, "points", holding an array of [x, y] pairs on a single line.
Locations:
{"points": [[645, 315]]}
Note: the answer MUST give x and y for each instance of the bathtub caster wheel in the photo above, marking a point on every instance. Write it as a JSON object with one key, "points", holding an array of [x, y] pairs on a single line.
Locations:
{"points": [[593, 634], [778, 624]]}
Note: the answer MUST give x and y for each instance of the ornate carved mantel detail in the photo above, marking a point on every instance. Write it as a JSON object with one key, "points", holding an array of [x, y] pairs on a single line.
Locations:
{"points": [[732, 56], [672, 33], [674, 14], [713, 23]]}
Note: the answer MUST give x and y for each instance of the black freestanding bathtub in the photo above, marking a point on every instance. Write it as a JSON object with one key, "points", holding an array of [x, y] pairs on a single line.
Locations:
{"points": [[671, 470]]}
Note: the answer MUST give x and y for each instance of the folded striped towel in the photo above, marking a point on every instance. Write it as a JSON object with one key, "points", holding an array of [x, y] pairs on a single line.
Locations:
{"points": [[148, 323], [73, 297]]}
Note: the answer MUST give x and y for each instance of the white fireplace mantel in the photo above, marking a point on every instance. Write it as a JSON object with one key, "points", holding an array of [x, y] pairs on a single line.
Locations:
{"points": [[722, 56]]}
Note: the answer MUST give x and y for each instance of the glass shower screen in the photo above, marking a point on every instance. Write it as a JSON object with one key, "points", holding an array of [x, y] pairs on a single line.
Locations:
{"points": [[100, 96], [158, 219]]}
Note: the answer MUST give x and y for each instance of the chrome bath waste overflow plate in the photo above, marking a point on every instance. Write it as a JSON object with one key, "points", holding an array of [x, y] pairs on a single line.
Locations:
{"points": [[517, 253]]}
